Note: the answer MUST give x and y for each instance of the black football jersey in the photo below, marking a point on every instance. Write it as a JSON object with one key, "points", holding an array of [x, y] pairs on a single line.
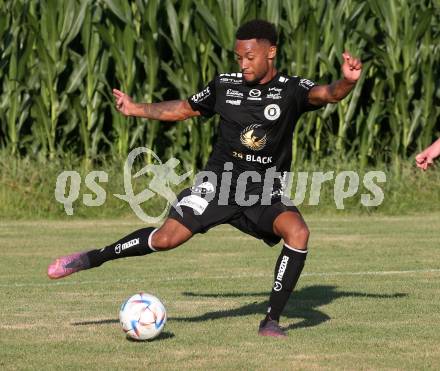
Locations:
{"points": [[256, 122]]}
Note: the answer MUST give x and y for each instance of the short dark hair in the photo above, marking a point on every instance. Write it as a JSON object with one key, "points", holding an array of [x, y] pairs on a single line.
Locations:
{"points": [[257, 29]]}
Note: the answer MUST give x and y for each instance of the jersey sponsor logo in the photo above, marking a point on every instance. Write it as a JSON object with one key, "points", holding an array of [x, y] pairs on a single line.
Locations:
{"points": [[272, 112], [125, 246], [274, 93], [234, 102], [273, 96], [234, 74], [230, 80], [205, 187], [276, 90], [234, 93], [277, 286], [252, 158], [306, 84], [254, 94], [253, 137], [194, 202], [201, 96], [260, 159]]}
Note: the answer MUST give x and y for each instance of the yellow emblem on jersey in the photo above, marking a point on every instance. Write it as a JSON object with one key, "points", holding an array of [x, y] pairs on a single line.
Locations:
{"points": [[253, 137]]}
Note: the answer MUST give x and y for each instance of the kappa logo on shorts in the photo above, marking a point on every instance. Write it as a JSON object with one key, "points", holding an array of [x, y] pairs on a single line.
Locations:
{"points": [[194, 202], [205, 187]]}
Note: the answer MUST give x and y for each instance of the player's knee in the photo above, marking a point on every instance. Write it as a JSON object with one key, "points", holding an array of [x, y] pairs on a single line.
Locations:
{"points": [[162, 241], [304, 233], [298, 237]]}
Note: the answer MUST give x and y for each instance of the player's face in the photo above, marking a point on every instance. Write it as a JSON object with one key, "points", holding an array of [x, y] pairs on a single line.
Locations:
{"points": [[255, 58]]}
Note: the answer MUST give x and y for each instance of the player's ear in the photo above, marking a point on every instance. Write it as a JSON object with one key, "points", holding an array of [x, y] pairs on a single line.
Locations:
{"points": [[272, 52]]}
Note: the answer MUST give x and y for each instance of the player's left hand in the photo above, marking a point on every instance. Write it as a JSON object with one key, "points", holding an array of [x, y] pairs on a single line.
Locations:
{"points": [[351, 68], [424, 160]]}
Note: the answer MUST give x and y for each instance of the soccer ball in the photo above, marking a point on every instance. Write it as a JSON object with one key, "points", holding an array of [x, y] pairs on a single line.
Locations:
{"points": [[142, 316]]}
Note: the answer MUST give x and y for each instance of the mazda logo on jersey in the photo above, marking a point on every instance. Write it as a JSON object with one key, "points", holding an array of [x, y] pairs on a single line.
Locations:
{"points": [[253, 137], [272, 112], [254, 93]]}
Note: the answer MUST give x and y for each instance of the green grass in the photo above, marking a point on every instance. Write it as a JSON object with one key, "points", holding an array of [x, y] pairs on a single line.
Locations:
{"points": [[368, 299]]}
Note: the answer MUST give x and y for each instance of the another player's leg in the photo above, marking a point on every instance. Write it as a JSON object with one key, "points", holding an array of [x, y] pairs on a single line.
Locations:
{"points": [[291, 227], [141, 242]]}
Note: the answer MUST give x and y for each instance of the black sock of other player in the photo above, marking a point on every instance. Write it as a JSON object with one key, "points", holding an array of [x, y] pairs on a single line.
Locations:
{"points": [[135, 244], [287, 271]]}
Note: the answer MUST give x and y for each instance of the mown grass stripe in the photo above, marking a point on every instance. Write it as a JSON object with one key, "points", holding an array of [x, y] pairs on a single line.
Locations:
{"points": [[222, 277]]}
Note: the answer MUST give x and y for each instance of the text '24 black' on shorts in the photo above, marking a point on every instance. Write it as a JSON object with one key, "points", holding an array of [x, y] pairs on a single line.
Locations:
{"points": [[199, 215]]}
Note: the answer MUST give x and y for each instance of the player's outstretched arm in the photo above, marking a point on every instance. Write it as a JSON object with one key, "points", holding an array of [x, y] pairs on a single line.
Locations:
{"points": [[338, 90], [173, 110], [426, 158]]}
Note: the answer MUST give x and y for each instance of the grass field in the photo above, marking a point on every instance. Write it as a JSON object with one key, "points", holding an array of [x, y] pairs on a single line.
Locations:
{"points": [[369, 298]]}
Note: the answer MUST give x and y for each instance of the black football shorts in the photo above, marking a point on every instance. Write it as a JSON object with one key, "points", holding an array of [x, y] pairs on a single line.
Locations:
{"points": [[199, 215]]}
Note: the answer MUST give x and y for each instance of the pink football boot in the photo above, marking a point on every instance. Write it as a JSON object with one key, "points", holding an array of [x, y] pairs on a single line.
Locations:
{"points": [[66, 265]]}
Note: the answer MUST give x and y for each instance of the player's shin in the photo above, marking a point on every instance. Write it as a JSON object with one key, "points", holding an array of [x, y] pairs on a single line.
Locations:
{"points": [[135, 244], [287, 271]]}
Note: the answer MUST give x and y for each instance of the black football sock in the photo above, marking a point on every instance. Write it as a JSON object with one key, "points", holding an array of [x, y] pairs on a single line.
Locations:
{"points": [[287, 271], [135, 244]]}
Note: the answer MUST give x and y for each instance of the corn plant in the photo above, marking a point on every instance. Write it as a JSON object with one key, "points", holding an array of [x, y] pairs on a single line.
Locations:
{"points": [[57, 26], [59, 60], [87, 83], [17, 43]]}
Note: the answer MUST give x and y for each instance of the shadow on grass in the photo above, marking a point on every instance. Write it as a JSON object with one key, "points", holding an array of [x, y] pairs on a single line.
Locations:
{"points": [[162, 336], [302, 304], [96, 322]]}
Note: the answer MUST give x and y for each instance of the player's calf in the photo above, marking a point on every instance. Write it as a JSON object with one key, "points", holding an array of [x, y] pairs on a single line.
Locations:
{"points": [[287, 272]]}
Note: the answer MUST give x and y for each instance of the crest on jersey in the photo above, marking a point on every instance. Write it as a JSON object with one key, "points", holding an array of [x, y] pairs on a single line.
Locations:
{"points": [[272, 112], [253, 137]]}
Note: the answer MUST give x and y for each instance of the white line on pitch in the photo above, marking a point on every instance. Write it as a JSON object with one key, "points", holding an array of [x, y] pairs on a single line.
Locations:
{"points": [[311, 274]]}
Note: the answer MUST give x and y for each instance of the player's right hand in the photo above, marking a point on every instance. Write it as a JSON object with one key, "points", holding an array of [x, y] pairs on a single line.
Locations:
{"points": [[123, 102]]}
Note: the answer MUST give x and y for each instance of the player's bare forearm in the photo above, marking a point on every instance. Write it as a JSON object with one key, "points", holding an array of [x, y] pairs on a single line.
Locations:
{"points": [[173, 110], [333, 93], [338, 90]]}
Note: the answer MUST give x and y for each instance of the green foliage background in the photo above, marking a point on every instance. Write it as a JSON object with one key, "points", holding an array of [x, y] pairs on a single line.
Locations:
{"points": [[59, 60]]}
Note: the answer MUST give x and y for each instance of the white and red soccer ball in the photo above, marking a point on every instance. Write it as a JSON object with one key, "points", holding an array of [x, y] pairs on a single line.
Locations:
{"points": [[142, 316]]}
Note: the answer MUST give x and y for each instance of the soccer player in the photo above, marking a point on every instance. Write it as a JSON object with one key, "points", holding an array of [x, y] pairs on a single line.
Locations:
{"points": [[426, 158], [259, 108]]}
